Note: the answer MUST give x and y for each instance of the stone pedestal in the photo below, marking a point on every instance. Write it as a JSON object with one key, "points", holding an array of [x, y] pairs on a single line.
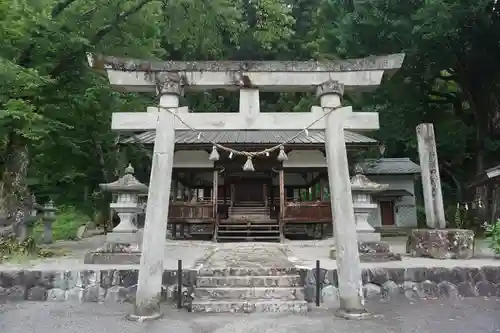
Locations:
{"points": [[372, 252], [366, 233], [441, 243]]}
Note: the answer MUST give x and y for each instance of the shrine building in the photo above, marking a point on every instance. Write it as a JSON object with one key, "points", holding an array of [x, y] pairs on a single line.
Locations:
{"points": [[250, 201]]}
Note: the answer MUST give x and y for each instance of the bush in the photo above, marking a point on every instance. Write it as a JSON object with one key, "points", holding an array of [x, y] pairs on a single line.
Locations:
{"points": [[65, 226], [493, 236]]}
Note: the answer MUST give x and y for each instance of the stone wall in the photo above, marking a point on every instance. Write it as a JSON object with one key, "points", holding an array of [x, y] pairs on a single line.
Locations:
{"points": [[414, 282], [86, 285], [121, 285]]}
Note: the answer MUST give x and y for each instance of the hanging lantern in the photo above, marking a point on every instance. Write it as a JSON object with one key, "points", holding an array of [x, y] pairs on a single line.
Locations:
{"points": [[382, 149], [248, 166], [230, 155], [282, 155], [214, 155]]}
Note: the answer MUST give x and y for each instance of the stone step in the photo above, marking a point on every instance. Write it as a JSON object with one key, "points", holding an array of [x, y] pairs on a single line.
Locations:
{"points": [[235, 238], [250, 306], [249, 272], [249, 207], [249, 204], [253, 225], [249, 293], [238, 224], [248, 281], [250, 231], [241, 216]]}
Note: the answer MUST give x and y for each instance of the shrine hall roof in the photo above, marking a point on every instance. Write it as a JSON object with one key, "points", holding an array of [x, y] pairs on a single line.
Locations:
{"points": [[249, 137], [384, 166]]}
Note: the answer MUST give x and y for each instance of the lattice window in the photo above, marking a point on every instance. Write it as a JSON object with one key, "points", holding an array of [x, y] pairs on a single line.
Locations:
{"points": [[406, 215]]}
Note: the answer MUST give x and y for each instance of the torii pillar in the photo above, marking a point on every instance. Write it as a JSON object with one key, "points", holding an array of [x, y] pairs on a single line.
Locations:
{"points": [[344, 223], [147, 302]]}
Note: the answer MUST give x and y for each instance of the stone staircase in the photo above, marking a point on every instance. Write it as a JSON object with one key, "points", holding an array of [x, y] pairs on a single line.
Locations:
{"points": [[249, 290], [249, 222]]}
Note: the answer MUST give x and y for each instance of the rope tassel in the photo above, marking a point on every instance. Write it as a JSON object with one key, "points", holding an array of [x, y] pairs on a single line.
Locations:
{"points": [[248, 165], [214, 155], [282, 155]]}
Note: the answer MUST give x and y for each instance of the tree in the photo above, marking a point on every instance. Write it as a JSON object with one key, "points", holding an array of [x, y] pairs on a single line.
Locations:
{"points": [[450, 76]]}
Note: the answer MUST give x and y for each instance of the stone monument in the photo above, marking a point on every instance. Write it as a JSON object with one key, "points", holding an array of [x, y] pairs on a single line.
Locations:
{"points": [[436, 241], [124, 241], [169, 79]]}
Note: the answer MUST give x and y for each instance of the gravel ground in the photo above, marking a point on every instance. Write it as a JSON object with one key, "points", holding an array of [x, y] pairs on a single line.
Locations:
{"points": [[474, 315]]}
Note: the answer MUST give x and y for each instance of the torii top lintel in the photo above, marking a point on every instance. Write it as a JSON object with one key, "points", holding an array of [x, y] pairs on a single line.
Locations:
{"points": [[141, 75]]}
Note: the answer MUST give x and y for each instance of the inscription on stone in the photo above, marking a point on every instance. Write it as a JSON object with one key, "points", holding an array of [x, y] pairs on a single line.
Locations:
{"points": [[431, 183]]}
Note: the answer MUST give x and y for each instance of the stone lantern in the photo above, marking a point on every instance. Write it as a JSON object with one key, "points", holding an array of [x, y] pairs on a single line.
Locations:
{"points": [[364, 205], [126, 190], [49, 216]]}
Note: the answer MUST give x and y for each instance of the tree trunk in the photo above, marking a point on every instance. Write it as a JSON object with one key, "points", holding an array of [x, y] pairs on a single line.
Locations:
{"points": [[13, 184]]}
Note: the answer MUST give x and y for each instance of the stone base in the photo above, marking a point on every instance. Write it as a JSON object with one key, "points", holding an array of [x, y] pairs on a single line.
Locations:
{"points": [[141, 319], [110, 258], [120, 248], [353, 315], [372, 252], [124, 237], [369, 237], [441, 243]]}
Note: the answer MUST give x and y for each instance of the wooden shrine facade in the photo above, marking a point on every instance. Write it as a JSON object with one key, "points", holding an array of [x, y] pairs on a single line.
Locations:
{"points": [[291, 192]]}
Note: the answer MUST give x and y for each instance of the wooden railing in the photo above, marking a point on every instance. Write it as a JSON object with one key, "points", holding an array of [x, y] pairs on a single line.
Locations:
{"points": [[307, 212], [180, 211]]}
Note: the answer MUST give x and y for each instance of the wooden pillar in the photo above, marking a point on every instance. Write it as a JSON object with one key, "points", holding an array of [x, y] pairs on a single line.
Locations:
{"points": [[264, 192], [224, 190], [282, 202], [322, 189], [215, 188], [271, 190], [232, 194], [173, 191]]}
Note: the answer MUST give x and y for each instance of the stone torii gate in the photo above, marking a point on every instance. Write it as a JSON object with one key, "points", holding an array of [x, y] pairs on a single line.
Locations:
{"points": [[170, 78]]}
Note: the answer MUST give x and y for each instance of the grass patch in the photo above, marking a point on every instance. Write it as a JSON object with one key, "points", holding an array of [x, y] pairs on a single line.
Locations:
{"points": [[67, 222], [17, 252]]}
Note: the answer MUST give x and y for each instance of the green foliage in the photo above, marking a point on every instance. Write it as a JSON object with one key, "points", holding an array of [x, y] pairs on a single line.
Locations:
{"points": [[421, 222], [61, 111], [68, 220], [493, 236]]}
